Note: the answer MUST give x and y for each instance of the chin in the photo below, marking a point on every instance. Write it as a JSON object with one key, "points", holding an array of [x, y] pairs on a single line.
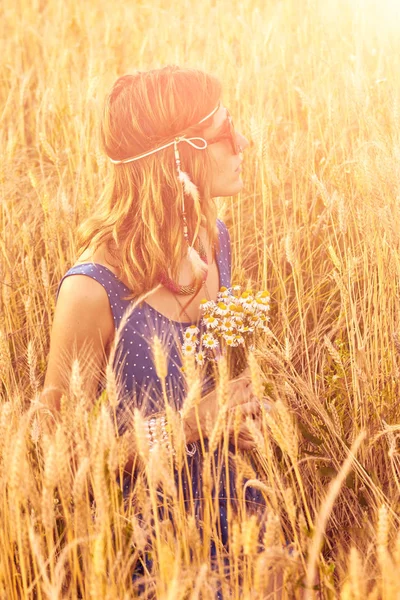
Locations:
{"points": [[231, 190], [236, 189]]}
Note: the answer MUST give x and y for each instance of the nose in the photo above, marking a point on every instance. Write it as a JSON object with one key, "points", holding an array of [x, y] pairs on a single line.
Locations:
{"points": [[242, 141]]}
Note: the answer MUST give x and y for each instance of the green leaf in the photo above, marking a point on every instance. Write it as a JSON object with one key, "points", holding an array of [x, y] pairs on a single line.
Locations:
{"points": [[363, 500], [309, 436], [327, 472], [351, 480], [313, 453]]}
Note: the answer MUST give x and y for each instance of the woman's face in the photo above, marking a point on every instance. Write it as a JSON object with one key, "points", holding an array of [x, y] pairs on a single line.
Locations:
{"points": [[226, 165]]}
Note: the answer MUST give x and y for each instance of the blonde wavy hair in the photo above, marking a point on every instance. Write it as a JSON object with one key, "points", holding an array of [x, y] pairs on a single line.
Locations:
{"points": [[139, 216]]}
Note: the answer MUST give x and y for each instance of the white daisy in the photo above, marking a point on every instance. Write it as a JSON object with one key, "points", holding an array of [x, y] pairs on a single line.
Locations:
{"points": [[237, 310], [207, 306], [264, 296], [263, 307], [222, 309], [246, 297], [249, 306], [188, 348], [230, 340], [247, 329], [224, 295], [193, 329], [200, 358], [227, 324], [208, 341], [210, 322], [190, 337]]}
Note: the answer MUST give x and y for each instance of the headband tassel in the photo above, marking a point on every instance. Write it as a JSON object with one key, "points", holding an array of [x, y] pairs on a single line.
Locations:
{"points": [[199, 267], [189, 188]]}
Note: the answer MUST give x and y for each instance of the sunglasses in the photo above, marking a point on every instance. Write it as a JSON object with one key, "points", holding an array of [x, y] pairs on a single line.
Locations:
{"points": [[227, 132]]}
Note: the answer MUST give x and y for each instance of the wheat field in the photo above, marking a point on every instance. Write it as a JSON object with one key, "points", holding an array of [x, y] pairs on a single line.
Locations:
{"points": [[314, 86]]}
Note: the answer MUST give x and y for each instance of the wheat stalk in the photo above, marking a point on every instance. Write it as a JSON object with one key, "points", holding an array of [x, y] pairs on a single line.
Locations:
{"points": [[325, 512]]}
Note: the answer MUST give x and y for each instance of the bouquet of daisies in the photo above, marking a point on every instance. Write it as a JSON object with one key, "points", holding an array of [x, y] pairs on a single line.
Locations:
{"points": [[229, 326]]}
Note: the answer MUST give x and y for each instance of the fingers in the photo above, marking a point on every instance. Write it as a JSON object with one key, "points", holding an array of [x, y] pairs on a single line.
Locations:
{"points": [[246, 446], [245, 376], [248, 409], [241, 435], [244, 439], [244, 396], [241, 392], [242, 411]]}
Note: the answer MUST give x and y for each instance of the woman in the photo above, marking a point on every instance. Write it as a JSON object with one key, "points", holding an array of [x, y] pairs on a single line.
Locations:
{"points": [[155, 236], [137, 243]]}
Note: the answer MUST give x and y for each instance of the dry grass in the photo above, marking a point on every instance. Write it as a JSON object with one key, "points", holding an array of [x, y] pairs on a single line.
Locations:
{"points": [[313, 84]]}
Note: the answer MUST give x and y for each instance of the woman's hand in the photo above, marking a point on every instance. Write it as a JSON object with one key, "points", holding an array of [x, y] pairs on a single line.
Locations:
{"points": [[242, 403]]}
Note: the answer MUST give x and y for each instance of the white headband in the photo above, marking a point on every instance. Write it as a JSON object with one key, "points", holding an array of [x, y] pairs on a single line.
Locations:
{"points": [[191, 141]]}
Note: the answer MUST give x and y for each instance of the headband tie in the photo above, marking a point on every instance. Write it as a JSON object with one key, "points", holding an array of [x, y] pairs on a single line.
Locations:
{"points": [[178, 139], [190, 141]]}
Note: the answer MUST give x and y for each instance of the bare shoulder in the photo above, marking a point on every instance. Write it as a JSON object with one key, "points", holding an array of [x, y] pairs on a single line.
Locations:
{"points": [[83, 307], [76, 288], [82, 328]]}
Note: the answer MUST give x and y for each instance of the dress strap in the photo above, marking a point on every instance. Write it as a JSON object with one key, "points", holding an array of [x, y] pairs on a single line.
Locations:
{"points": [[117, 291]]}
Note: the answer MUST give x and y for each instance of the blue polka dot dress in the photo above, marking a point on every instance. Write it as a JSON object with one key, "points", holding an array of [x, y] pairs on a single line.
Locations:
{"points": [[133, 363], [136, 373]]}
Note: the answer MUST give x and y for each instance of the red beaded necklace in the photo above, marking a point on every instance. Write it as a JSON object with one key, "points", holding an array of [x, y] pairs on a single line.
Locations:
{"points": [[185, 290]]}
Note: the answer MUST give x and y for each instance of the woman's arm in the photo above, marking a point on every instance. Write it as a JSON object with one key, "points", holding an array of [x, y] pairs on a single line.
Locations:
{"points": [[240, 398], [82, 328]]}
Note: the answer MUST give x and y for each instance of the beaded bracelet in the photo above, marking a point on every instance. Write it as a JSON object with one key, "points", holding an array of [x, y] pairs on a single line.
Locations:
{"points": [[155, 424], [192, 446], [191, 451], [151, 424], [160, 424]]}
